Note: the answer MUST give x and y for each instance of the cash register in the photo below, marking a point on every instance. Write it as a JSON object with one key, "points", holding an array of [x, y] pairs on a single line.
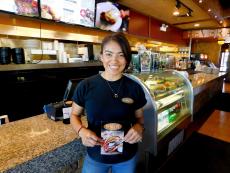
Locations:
{"points": [[54, 110]]}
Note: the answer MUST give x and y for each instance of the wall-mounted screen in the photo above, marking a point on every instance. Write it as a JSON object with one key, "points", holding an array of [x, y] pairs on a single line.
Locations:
{"points": [[21, 7], [79, 12], [111, 16]]}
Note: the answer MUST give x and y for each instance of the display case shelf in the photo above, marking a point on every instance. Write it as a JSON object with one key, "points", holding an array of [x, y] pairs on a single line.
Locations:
{"points": [[167, 93], [167, 129], [169, 99], [167, 126]]}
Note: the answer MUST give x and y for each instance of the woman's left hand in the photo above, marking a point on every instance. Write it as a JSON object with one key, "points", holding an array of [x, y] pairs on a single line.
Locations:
{"points": [[134, 134]]}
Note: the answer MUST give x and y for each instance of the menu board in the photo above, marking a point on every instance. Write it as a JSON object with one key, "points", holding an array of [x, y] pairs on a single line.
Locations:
{"points": [[21, 7], [79, 12], [112, 16]]}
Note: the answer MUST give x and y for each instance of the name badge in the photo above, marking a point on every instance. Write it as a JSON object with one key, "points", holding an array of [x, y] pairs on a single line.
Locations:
{"points": [[127, 100]]}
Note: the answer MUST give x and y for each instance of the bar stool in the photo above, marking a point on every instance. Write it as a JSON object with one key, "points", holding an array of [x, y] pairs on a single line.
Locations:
{"points": [[4, 119]]}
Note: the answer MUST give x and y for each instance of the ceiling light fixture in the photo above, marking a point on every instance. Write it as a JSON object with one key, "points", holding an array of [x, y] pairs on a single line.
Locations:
{"points": [[220, 41], [180, 5], [176, 13], [189, 13], [176, 10], [200, 1]]}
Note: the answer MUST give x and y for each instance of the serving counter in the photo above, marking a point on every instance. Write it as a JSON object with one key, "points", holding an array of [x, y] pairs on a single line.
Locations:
{"points": [[199, 80], [38, 144], [174, 91], [205, 88]]}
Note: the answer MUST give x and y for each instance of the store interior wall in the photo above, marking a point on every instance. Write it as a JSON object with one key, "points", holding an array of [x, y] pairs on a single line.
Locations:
{"points": [[212, 48]]}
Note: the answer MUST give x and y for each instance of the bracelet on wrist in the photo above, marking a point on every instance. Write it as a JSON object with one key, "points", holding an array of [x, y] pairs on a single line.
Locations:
{"points": [[81, 127]]}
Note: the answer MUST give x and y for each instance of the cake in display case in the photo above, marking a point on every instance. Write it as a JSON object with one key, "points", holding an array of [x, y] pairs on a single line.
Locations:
{"points": [[168, 110]]}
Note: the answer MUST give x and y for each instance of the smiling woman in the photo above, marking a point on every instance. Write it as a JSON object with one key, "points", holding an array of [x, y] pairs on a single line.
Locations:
{"points": [[102, 96]]}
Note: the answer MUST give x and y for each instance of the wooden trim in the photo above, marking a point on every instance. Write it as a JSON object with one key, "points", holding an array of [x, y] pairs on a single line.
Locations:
{"points": [[44, 33], [196, 21]]}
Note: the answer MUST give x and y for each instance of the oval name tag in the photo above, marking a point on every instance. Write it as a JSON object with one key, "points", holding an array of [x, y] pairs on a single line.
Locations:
{"points": [[127, 100], [112, 126]]}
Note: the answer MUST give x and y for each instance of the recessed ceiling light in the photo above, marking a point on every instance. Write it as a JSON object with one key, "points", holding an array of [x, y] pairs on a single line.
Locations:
{"points": [[176, 13], [221, 21], [215, 16], [209, 10], [200, 1], [196, 24]]}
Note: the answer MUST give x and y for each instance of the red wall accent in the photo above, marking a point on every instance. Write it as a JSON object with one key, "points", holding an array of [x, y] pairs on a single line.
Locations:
{"points": [[138, 24], [172, 35], [146, 26]]}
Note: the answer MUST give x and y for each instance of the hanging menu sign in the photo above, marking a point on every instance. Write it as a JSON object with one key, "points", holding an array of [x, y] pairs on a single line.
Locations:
{"points": [[79, 12], [21, 7]]}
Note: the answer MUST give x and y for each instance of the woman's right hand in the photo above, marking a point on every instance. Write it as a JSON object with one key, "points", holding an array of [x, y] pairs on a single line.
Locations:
{"points": [[89, 138]]}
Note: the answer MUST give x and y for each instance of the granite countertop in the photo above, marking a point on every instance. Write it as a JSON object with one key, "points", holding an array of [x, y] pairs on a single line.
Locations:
{"points": [[200, 79], [28, 139]]}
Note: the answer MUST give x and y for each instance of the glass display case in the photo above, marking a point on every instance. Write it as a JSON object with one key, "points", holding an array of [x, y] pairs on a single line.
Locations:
{"points": [[169, 106]]}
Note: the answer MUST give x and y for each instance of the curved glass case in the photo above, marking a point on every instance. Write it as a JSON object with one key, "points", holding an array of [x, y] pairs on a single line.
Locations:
{"points": [[169, 97]]}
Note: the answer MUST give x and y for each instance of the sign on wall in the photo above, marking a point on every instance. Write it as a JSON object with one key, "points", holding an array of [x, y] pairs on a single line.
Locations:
{"points": [[79, 12], [21, 7], [207, 33]]}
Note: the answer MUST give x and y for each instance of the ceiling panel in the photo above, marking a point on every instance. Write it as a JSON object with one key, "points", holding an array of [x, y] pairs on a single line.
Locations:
{"points": [[163, 9]]}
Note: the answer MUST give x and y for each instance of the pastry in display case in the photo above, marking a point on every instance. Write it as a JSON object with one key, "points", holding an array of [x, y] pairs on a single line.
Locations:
{"points": [[168, 110]]}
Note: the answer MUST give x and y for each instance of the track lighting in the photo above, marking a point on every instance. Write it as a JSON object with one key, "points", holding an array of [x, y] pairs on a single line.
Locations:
{"points": [[189, 13], [178, 4], [181, 10]]}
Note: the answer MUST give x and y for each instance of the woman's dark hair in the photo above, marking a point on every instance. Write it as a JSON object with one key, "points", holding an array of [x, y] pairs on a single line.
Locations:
{"points": [[122, 41]]}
